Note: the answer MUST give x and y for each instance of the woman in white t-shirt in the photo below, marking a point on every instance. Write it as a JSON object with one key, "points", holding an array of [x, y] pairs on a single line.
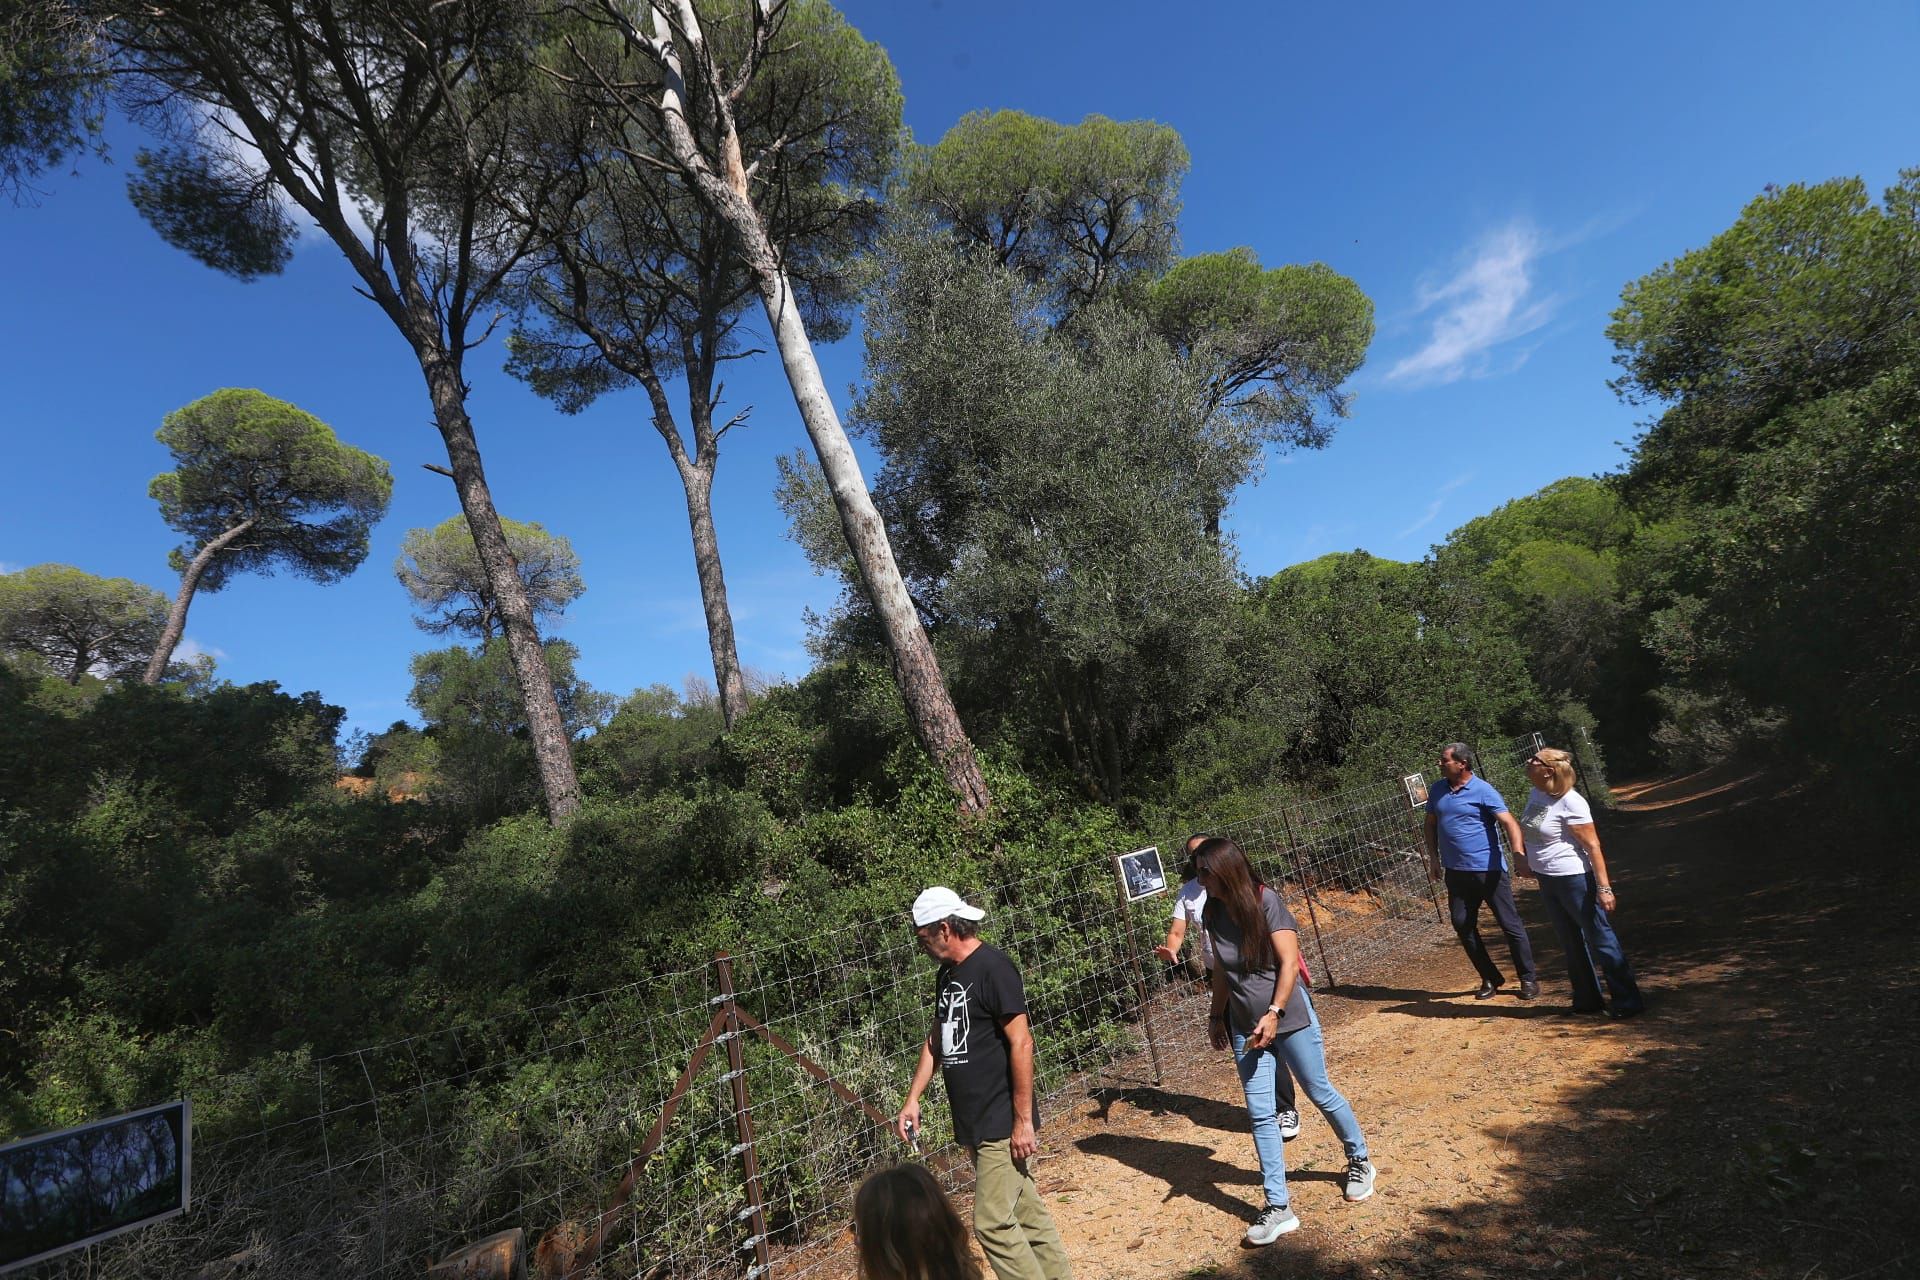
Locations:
{"points": [[1563, 852]]}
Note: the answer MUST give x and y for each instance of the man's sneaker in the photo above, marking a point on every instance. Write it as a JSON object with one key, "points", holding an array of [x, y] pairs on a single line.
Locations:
{"points": [[1274, 1221], [1289, 1125], [1359, 1179]]}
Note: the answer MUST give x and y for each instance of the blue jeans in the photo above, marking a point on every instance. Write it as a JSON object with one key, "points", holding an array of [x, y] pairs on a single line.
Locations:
{"points": [[1573, 907], [1306, 1053]]}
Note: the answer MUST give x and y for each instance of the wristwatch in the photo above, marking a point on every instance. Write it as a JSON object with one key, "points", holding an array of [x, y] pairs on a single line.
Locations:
{"points": [[1273, 1009]]}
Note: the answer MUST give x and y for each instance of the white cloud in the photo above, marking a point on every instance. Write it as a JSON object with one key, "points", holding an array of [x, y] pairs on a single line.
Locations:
{"points": [[189, 649], [1433, 508], [8, 566], [1487, 303]]}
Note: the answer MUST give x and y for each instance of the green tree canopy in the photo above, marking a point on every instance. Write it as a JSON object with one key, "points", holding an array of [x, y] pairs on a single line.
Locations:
{"points": [[259, 485], [1278, 344], [1076, 209], [482, 761], [1782, 562], [1395, 663], [1808, 293], [1578, 510], [1051, 492], [441, 571], [52, 89], [80, 623], [1088, 213], [1551, 565], [1064, 420]]}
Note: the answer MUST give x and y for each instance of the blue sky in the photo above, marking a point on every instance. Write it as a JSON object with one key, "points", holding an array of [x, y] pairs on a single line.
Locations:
{"points": [[1490, 175]]}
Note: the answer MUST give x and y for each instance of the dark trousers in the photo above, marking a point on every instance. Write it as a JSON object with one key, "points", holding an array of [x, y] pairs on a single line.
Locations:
{"points": [[1466, 891]]}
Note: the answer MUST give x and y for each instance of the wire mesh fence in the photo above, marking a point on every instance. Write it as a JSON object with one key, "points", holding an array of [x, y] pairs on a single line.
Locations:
{"points": [[714, 1121]]}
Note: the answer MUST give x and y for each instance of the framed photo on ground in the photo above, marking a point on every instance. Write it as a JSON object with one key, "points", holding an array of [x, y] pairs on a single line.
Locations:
{"points": [[1416, 785], [63, 1190], [1141, 875]]}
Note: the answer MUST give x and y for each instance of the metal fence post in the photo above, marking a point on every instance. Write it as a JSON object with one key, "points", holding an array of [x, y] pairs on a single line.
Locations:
{"points": [[1417, 814], [1306, 891], [1573, 749], [1139, 980], [743, 1116]]}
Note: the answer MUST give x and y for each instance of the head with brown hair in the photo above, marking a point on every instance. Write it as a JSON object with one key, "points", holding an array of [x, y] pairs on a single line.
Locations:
{"points": [[1227, 877], [907, 1230], [1551, 769]]}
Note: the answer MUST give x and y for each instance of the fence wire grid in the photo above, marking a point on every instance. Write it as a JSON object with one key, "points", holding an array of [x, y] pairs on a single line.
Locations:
{"points": [[389, 1157]]}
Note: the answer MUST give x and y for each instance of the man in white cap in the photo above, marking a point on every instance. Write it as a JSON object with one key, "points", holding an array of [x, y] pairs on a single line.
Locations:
{"points": [[984, 1049]]}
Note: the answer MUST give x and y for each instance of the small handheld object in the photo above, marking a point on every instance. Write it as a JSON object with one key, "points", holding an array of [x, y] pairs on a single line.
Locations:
{"points": [[913, 1136]]}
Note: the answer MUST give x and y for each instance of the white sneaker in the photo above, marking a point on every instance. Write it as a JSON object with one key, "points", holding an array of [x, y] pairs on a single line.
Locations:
{"points": [[1289, 1125], [1274, 1221]]}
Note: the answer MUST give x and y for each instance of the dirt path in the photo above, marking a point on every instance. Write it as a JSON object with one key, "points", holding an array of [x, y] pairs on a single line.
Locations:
{"points": [[1760, 1120]]}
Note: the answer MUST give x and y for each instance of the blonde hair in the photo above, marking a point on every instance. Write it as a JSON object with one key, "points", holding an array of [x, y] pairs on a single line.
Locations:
{"points": [[1560, 765], [907, 1230]]}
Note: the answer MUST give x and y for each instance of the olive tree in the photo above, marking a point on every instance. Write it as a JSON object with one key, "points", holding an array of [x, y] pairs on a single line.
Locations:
{"points": [[1065, 410]]}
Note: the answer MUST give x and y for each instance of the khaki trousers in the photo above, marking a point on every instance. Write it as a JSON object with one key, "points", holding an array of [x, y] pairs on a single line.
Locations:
{"points": [[1014, 1228]]}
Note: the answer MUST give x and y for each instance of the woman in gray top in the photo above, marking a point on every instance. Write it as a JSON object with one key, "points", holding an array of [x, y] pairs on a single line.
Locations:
{"points": [[1263, 1012]]}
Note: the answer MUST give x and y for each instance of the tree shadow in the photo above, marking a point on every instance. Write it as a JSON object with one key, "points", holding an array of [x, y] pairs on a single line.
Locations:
{"points": [[1191, 1171], [1382, 994], [1443, 1004], [1208, 1113]]}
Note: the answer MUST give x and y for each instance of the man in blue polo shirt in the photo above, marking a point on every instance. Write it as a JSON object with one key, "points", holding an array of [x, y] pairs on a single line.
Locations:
{"points": [[1465, 817]]}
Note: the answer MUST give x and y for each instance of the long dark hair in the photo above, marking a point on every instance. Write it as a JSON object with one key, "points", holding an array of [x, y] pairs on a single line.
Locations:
{"points": [[1239, 893], [907, 1230]]}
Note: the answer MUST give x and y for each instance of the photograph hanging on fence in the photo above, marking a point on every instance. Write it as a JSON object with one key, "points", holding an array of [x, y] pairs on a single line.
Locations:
{"points": [[1141, 875], [1416, 785], [64, 1190]]}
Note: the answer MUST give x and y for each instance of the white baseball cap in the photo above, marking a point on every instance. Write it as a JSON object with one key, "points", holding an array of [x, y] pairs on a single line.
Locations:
{"points": [[939, 902]]}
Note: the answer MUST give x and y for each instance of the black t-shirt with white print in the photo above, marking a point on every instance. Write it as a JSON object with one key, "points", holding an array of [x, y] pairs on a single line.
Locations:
{"points": [[971, 1000]]}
